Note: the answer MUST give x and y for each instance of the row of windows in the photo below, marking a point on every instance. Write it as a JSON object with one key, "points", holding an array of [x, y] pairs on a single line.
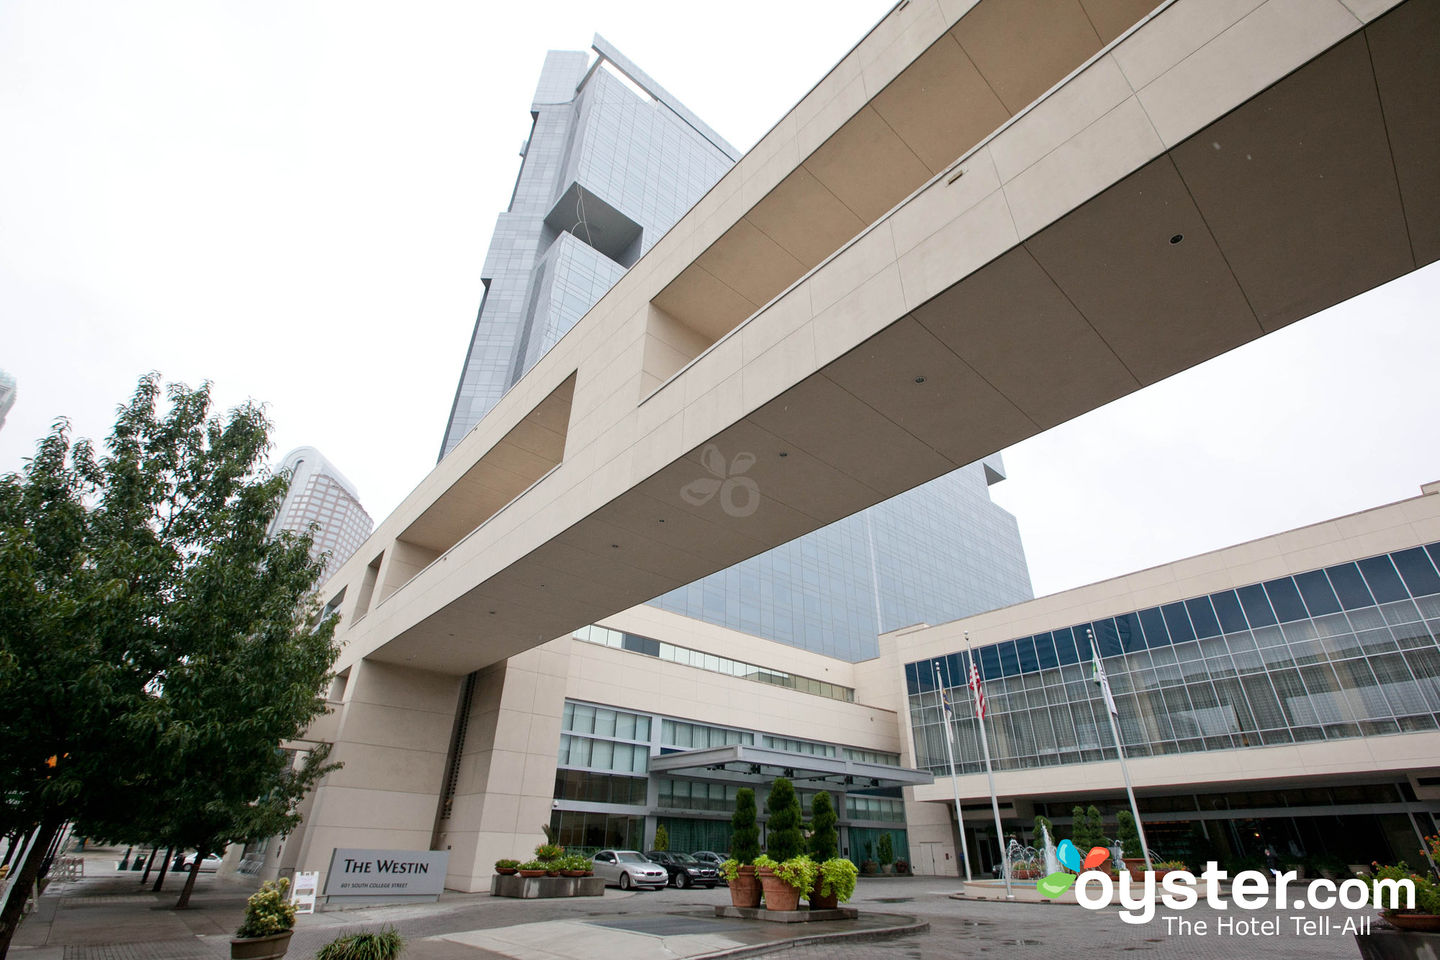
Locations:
{"points": [[603, 754], [599, 787], [605, 722], [1402, 578], [708, 661], [806, 747], [677, 733], [693, 795], [872, 756], [875, 808]]}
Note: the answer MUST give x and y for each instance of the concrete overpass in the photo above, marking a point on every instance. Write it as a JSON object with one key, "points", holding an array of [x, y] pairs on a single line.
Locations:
{"points": [[987, 219]]}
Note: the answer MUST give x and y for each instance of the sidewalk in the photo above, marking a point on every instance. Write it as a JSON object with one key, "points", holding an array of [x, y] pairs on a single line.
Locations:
{"points": [[109, 915]]}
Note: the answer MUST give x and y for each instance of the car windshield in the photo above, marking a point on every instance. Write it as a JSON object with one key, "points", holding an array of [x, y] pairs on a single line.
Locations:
{"points": [[627, 856], [683, 858]]}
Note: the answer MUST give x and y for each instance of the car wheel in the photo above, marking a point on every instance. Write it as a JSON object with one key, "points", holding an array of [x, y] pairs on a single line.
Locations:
{"points": [[683, 881], [625, 880]]}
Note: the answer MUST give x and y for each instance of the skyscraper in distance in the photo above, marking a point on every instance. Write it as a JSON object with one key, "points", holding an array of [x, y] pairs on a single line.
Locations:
{"points": [[612, 162], [320, 494]]}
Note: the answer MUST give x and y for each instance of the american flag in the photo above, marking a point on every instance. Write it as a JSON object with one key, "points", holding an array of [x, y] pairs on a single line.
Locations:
{"points": [[979, 692]]}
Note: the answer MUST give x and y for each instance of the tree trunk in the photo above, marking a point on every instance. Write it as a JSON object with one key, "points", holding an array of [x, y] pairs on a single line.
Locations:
{"points": [[148, 864], [28, 872], [189, 882], [160, 880]]}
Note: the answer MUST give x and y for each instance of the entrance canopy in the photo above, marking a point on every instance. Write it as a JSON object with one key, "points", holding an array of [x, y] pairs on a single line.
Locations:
{"points": [[762, 764]]}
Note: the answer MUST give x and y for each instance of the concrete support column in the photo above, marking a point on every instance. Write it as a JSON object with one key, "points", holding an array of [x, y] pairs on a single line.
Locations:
{"points": [[506, 773], [392, 734]]}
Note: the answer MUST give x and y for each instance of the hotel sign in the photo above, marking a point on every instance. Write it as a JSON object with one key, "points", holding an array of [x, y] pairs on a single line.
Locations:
{"points": [[386, 873]]}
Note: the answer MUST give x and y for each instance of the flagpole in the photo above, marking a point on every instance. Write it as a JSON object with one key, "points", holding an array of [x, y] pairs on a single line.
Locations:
{"points": [[947, 715], [990, 774], [1113, 712]]}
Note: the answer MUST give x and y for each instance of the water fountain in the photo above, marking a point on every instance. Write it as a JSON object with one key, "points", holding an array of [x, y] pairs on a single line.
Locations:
{"points": [[1052, 862]]}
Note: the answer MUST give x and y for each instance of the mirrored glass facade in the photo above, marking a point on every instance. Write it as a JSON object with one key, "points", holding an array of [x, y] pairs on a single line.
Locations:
{"points": [[1345, 651]]}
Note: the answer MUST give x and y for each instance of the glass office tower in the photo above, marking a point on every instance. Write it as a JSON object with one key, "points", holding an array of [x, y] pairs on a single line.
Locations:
{"points": [[613, 161]]}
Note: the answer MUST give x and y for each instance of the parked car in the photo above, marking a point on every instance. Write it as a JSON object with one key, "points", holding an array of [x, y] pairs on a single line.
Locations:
{"points": [[713, 859], [685, 870], [628, 868]]}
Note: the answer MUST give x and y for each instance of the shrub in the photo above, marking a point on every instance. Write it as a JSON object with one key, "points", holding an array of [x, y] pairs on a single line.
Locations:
{"points": [[1169, 865], [837, 878], [1427, 891], [887, 849], [267, 912], [507, 864], [784, 840], [730, 869], [549, 851], [745, 835], [824, 841], [384, 945], [662, 838], [799, 872], [575, 862], [1128, 836], [535, 865]]}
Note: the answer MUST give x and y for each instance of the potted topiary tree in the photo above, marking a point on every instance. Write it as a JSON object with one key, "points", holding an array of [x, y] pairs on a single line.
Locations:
{"points": [[269, 923], [824, 847], [785, 880], [784, 867], [1130, 849], [739, 870], [886, 851], [662, 838]]}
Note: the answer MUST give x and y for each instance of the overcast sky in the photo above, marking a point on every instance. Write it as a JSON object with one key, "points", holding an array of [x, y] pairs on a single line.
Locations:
{"points": [[293, 200]]}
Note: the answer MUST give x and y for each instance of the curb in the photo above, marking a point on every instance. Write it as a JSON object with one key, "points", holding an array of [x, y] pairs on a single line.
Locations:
{"points": [[847, 936]]}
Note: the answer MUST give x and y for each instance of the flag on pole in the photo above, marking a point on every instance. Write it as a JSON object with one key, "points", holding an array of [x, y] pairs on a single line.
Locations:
{"points": [[945, 701], [979, 693], [1098, 670]]}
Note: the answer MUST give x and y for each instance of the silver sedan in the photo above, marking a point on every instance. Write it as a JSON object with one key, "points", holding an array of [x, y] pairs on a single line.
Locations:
{"points": [[628, 868]]}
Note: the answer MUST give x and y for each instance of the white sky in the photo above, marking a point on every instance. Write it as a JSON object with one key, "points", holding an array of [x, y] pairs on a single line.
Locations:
{"points": [[293, 200]]}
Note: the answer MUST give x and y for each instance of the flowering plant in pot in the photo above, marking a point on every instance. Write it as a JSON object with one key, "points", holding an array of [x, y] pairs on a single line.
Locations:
{"points": [[784, 880], [533, 868], [506, 867], [574, 866], [269, 922], [1425, 917]]}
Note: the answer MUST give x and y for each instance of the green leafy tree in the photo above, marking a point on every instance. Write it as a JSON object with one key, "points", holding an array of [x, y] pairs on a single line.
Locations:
{"points": [[783, 838], [155, 645], [1095, 824], [824, 841], [744, 834], [662, 838], [886, 849], [1128, 836], [1088, 829]]}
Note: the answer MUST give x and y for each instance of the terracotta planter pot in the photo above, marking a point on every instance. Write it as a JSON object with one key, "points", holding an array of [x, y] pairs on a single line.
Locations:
{"points": [[552, 873], [260, 948], [745, 888], [779, 895], [572, 873], [1136, 866], [1419, 922], [532, 873], [818, 902], [505, 871]]}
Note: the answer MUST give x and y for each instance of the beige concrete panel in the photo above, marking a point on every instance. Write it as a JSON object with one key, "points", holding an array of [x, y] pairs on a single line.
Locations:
{"points": [[944, 200], [857, 314], [1332, 223], [815, 126], [1406, 61], [778, 321], [953, 10], [867, 166], [370, 765], [964, 245], [1024, 47], [713, 411], [769, 162], [864, 258], [1157, 303], [705, 304], [1045, 340], [1110, 148], [719, 364], [882, 372], [940, 106], [892, 47], [805, 218], [385, 726], [1060, 116], [393, 811], [1175, 34], [1367, 10], [1110, 18], [750, 263], [1240, 62], [766, 376]]}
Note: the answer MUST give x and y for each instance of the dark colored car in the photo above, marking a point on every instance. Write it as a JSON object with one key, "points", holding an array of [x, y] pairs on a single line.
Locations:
{"points": [[685, 870]]}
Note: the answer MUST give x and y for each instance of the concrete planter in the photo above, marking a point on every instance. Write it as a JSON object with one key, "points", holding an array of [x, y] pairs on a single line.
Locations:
{"points": [[1391, 943], [260, 948], [546, 888]]}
